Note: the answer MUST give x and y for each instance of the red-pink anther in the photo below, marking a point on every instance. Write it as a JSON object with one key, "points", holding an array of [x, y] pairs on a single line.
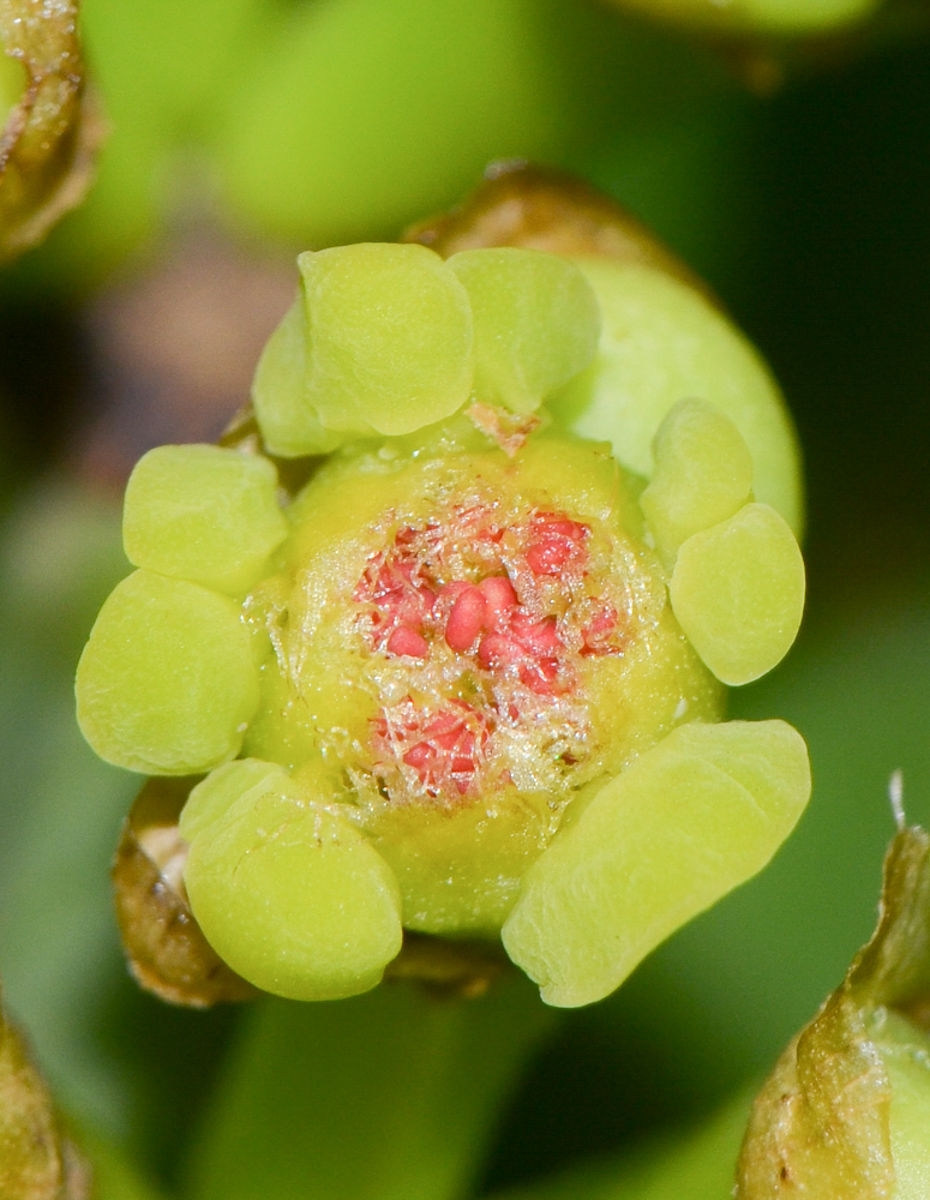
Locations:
{"points": [[419, 755], [465, 619], [599, 630], [416, 598], [407, 641], [443, 728], [539, 675], [557, 543], [399, 598], [448, 751], [537, 637], [500, 599], [499, 650]]}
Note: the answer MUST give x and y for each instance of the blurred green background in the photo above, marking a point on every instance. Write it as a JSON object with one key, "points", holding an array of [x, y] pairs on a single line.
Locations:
{"points": [[245, 129]]}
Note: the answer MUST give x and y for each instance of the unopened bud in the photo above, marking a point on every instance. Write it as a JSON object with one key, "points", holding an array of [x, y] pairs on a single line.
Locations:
{"points": [[37, 1160], [52, 129], [846, 1112]]}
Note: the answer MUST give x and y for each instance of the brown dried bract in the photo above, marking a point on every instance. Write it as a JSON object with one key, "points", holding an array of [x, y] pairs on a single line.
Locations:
{"points": [[540, 208], [166, 951], [820, 1126], [49, 144], [509, 430], [169, 955], [452, 969], [37, 1161]]}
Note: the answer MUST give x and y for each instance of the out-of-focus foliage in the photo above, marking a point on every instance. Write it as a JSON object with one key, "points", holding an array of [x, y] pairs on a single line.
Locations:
{"points": [[697, 1163], [782, 17], [382, 1097], [364, 114], [323, 121]]}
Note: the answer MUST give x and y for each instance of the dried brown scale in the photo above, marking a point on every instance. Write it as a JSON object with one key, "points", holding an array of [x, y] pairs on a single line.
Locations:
{"points": [[49, 144], [37, 1160], [449, 969], [166, 951], [518, 205]]}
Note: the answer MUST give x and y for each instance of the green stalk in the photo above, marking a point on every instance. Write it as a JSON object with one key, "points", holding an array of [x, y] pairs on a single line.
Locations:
{"points": [[388, 1096]]}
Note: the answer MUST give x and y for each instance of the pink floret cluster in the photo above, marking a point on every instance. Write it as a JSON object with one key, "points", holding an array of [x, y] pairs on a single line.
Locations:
{"points": [[517, 620]]}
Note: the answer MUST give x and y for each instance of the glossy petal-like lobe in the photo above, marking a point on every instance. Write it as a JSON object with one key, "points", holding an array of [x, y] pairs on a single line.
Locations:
{"points": [[204, 514], [390, 342], [699, 813], [168, 680], [738, 593], [536, 322], [288, 892], [662, 340], [703, 474], [289, 423]]}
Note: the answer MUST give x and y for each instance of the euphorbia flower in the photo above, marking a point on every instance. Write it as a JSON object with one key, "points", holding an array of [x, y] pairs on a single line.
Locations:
{"points": [[465, 681]]}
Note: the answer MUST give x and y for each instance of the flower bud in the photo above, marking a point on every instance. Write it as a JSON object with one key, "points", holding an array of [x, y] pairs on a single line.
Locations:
{"points": [[52, 129], [37, 1160], [905, 1053], [846, 1111]]}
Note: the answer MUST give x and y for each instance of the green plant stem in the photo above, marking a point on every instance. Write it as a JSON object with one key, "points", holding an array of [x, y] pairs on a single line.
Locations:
{"points": [[389, 1096]]}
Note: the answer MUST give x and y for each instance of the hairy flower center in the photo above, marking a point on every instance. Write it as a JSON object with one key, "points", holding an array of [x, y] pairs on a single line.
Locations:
{"points": [[487, 621]]}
